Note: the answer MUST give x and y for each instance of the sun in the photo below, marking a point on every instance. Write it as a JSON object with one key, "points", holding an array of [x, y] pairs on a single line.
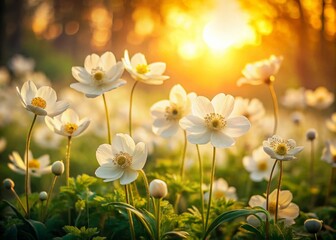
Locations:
{"points": [[228, 27]]}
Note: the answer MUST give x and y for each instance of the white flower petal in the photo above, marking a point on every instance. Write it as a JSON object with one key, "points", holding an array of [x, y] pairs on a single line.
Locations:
{"points": [[87, 89], [223, 104], [139, 157], [91, 62], [256, 200], [81, 127], [237, 126], [157, 68], [109, 171], [115, 72], [167, 131], [193, 124], [60, 107], [81, 75], [123, 143], [199, 138], [48, 94], [28, 91], [221, 140], [108, 60], [128, 176], [201, 106], [70, 116], [44, 160], [104, 154], [137, 59]]}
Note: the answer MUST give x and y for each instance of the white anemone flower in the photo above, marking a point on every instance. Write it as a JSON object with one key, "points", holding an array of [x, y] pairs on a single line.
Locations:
{"points": [[167, 113], [260, 72], [259, 165], [294, 98], [36, 166], [99, 75], [21, 65], [121, 160], [141, 71], [252, 109], [281, 149], [329, 153], [67, 124], [320, 98], [42, 101], [210, 121], [331, 123], [287, 210], [221, 189]]}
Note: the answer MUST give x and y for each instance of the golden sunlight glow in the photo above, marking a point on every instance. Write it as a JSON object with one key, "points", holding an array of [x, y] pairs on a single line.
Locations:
{"points": [[41, 18], [101, 25], [188, 50], [229, 27]]}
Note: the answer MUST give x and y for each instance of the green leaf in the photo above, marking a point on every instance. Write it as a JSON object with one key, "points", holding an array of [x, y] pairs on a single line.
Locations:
{"points": [[252, 229], [175, 234], [231, 215]]}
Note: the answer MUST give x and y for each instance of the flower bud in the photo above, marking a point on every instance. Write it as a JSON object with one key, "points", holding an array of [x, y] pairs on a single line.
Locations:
{"points": [[57, 168], [311, 134], [158, 188], [8, 183], [313, 225], [43, 196]]}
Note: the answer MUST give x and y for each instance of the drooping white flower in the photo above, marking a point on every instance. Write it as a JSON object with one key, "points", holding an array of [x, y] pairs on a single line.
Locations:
{"points": [[294, 98], [36, 166], [67, 124], [331, 123], [141, 71], [320, 98], [210, 121], [259, 165], [121, 160], [252, 109], [167, 113], [21, 65], [329, 153], [281, 149], [42, 101], [99, 75], [221, 189], [260, 72], [287, 210]]}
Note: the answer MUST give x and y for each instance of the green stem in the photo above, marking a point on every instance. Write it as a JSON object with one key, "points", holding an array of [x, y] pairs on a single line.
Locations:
{"points": [[275, 107], [127, 189], [269, 183], [312, 164], [87, 207], [201, 184], [278, 192], [107, 120], [27, 177], [67, 171], [211, 185], [49, 197], [333, 173], [18, 199], [183, 155], [146, 187], [158, 217], [130, 109]]}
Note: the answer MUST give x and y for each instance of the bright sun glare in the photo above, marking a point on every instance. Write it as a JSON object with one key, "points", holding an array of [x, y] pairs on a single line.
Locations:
{"points": [[229, 27]]}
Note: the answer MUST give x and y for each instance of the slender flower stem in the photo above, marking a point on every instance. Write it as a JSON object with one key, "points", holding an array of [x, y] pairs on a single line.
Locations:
{"points": [[49, 197], [201, 184], [269, 183], [278, 192], [158, 217], [67, 171], [18, 199], [142, 172], [275, 106], [183, 155], [27, 177], [127, 189], [315, 235], [311, 164], [67, 161], [107, 120], [130, 109], [329, 191], [211, 183]]}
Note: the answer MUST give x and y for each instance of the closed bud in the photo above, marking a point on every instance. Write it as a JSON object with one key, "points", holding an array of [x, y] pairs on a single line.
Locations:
{"points": [[57, 168], [313, 225], [8, 183], [158, 188], [43, 196], [311, 134]]}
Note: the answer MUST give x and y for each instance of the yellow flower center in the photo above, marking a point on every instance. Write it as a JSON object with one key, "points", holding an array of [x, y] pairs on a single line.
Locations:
{"points": [[173, 112], [262, 166], [122, 159], [219, 194], [281, 149], [98, 74], [142, 68], [215, 121], [34, 163], [39, 102], [70, 127]]}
